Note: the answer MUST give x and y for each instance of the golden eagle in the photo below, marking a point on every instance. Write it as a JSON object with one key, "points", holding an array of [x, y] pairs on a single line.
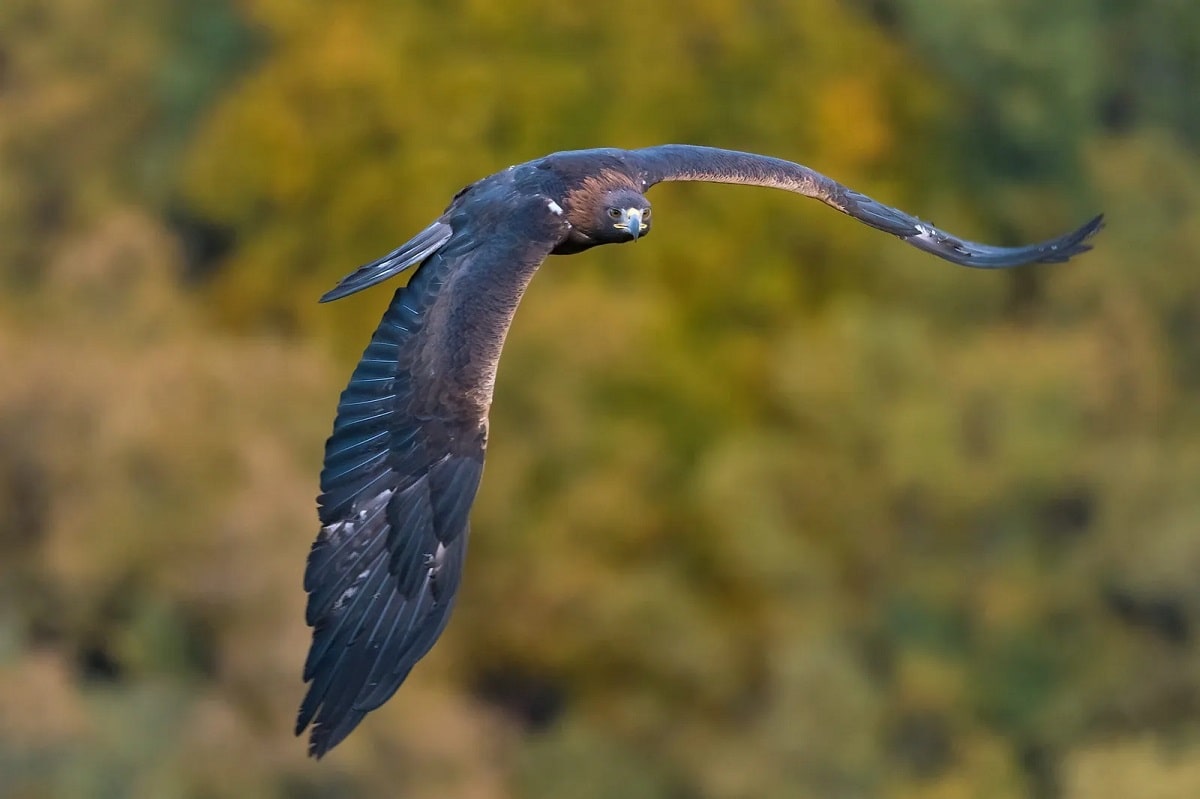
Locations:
{"points": [[404, 460]]}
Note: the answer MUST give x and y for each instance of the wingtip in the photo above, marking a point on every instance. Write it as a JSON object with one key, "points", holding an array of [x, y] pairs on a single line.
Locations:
{"points": [[1079, 241], [363, 277], [336, 293], [315, 750], [319, 742], [326, 735]]}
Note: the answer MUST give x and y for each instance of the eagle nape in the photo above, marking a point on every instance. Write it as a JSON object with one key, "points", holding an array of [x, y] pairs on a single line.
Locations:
{"points": [[404, 460]]}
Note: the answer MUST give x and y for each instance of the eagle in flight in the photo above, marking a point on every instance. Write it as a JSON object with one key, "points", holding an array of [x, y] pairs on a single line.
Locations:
{"points": [[403, 463]]}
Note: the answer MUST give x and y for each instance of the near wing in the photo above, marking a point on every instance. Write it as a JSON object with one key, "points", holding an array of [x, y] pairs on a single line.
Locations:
{"points": [[687, 162], [401, 471]]}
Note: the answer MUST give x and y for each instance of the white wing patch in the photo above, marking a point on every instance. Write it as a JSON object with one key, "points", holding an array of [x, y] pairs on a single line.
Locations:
{"points": [[924, 232], [554, 207]]}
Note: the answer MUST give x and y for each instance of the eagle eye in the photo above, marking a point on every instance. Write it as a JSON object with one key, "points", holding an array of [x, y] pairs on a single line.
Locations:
{"points": [[615, 213]]}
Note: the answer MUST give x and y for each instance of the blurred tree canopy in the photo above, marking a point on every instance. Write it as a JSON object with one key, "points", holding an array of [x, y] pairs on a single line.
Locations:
{"points": [[775, 505]]}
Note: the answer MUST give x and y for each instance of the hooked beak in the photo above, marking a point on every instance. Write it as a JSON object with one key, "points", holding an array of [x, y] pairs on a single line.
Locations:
{"points": [[631, 220]]}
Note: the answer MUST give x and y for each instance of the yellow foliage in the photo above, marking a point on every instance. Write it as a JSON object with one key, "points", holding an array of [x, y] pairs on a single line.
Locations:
{"points": [[1141, 767]]}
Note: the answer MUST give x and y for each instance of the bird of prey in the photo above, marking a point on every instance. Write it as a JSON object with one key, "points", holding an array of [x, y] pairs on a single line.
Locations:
{"points": [[406, 454]]}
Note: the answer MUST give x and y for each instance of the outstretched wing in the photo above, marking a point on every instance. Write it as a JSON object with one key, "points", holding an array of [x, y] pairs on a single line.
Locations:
{"points": [[404, 461], [687, 162]]}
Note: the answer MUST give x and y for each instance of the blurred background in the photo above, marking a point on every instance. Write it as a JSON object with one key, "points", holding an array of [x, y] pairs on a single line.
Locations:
{"points": [[776, 506]]}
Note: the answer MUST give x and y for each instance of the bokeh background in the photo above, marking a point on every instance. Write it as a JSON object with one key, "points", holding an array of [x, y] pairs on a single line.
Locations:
{"points": [[776, 506]]}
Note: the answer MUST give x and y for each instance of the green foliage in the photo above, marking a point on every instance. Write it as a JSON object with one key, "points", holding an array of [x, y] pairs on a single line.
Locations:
{"points": [[775, 506]]}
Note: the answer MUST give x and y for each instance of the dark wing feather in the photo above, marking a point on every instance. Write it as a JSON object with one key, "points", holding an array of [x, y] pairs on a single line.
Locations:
{"points": [[404, 462], [672, 162], [412, 252], [376, 575]]}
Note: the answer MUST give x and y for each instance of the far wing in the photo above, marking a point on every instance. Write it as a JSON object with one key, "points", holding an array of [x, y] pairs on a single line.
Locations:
{"points": [[402, 467], [672, 162]]}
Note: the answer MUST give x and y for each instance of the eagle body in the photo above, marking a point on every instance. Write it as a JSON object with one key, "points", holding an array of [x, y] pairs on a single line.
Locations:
{"points": [[405, 458]]}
